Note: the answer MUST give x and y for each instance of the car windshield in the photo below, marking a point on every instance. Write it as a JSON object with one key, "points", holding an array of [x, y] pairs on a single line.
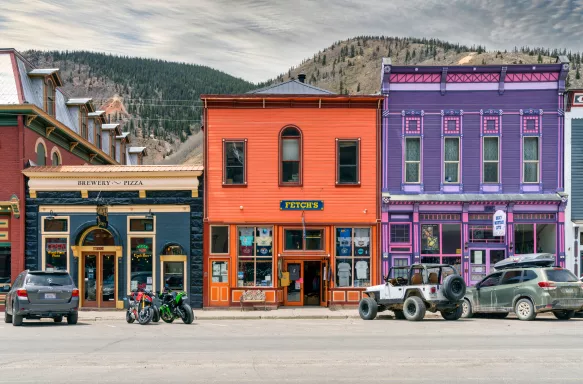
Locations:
{"points": [[47, 279], [560, 276]]}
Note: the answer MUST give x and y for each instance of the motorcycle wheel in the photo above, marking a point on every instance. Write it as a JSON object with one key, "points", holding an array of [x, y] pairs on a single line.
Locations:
{"points": [[186, 314], [129, 317], [145, 315], [156, 316], [166, 315]]}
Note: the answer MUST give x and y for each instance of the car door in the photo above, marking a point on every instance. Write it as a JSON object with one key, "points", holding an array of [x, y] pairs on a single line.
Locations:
{"points": [[506, 291], [486, 292]]}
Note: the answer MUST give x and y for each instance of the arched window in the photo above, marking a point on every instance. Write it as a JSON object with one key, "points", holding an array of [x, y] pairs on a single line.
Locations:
{"points": [[173, 250], [50, 96], [98, 237], [83, 121], [291, 156], [55, 157], [41, 154]]}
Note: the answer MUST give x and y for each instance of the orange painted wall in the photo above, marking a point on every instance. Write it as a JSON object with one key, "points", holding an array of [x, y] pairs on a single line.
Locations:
{"points": [[261, 197]]}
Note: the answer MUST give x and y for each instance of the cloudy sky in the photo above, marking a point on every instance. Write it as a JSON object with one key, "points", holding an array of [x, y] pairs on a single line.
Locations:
{"points": [[259, 39]]}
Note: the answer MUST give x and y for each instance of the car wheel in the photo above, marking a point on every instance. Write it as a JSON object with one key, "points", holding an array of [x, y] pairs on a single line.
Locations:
{"points": [[399, 315], [467, 311], [524, 310], [72, 319], [58, 319], [454, 314], [564, 315], [17, 320], [7, 317], [454, 287], [414, 309], [367, 309]]}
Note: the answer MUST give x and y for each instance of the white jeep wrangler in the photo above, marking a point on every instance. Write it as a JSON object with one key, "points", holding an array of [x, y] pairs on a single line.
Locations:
{"points": [[412, 290]]}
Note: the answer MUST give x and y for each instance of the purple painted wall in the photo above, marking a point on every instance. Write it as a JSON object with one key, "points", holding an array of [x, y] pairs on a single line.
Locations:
{"points": [[471, 102]]}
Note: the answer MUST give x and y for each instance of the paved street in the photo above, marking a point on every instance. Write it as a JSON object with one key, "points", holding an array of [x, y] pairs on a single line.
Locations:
{"points": [[294, 351]]}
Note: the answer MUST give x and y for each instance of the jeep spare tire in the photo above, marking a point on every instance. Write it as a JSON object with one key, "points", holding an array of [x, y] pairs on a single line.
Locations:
{"points": [[414, 308], [454, 287], [367, 309]]}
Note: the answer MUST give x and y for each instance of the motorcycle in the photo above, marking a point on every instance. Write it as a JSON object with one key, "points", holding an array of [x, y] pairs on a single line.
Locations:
{"points": [[174, 306], [141, 307]]}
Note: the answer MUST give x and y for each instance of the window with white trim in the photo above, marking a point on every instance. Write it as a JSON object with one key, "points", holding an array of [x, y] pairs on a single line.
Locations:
{"points": [[530, 159], [412, 160], [491, 159], [451, 159]]}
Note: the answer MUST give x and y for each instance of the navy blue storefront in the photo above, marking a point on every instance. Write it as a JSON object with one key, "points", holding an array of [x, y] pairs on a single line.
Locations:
{"points": [[130, 227]]}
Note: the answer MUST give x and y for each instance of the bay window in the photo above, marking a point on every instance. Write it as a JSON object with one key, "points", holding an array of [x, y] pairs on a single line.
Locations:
{"points": [[255, 257], [353, 257]]}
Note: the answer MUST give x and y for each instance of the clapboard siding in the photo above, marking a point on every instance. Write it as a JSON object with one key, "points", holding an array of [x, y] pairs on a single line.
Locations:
{"points": [[394, 154], [550, 153], [261, 197]]}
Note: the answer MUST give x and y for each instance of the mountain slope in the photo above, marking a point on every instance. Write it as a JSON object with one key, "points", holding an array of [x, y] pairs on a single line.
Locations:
{"points": [[353, 66], [157, 101]]}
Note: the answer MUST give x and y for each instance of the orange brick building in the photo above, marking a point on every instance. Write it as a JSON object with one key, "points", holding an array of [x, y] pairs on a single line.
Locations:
{"points": [[291, 196]]}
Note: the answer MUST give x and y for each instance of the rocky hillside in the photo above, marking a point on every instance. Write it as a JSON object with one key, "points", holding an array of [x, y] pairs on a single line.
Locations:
{"points": [[353, 66], [158, 102]]}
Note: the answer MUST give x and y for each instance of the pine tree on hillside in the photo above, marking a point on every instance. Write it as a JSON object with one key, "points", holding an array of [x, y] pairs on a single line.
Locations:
{"points": [[577, 74]]}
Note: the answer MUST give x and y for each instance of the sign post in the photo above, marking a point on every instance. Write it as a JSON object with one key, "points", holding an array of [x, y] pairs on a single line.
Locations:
{"points": [[499, 223]]}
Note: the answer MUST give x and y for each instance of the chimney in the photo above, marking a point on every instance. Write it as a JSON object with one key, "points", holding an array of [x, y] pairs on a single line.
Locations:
{"points": [[302, 77]]}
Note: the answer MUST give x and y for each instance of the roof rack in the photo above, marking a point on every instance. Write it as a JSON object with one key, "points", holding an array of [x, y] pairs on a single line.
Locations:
{"points": [[534, 260]]}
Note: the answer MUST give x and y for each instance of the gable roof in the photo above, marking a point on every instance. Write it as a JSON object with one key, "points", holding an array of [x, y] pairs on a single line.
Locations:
{"points": [[291, 87]]}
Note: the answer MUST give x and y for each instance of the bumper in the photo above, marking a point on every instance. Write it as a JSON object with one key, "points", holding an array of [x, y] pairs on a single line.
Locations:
{"points": [[441, 305], [560, 304], [47, 310]]}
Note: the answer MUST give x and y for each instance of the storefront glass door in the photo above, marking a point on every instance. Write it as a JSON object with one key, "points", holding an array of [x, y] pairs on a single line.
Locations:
{"points": [[482, 262], [99, 280], [294, 293]]}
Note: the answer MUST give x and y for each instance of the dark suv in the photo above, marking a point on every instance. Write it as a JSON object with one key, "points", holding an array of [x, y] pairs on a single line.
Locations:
{"points": [[39, 294]]}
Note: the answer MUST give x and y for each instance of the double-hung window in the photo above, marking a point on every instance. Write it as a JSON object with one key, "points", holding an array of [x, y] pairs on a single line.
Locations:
{"points": [[234, 162], [451, 159], [491, 159], [530, 159], [291, 157], [412, 160], [347, 161]]}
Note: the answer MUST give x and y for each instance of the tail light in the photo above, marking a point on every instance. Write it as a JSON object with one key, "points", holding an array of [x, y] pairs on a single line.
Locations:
{"points": [[22, 294], [547, 285], [75, 293], [433, 289]]}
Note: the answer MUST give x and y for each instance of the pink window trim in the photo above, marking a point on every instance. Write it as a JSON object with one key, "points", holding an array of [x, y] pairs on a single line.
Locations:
{"points": [[457, 130], [441, 242], [502, 240], [408, 119], [525, 120], [417, 133], [410, 243], [485, 130], [534, 225]]}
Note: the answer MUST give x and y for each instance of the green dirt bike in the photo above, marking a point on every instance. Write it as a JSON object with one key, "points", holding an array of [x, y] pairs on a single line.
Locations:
{"points": [[174, 306]]}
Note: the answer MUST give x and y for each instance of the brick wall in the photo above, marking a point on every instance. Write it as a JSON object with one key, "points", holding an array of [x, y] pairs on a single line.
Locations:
{"points": [[30, 140]]}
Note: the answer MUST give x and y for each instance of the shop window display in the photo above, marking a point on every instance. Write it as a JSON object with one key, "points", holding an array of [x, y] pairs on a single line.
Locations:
{"points": [[55, 254], [255, 264], [353, 257], [141, 263]]}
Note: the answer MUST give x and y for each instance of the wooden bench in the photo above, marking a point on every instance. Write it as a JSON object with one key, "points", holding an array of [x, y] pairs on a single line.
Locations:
{"points": [[253, 297]]}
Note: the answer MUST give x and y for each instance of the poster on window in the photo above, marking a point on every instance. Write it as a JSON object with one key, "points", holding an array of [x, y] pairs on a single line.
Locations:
{"points": [[499, 223]]}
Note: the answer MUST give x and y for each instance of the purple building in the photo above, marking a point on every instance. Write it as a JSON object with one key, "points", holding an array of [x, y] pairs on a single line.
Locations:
{"points": [[463, 144]]}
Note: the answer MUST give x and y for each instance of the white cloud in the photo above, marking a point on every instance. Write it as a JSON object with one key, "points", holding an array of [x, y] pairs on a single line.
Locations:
{"points": [[258, 39]]}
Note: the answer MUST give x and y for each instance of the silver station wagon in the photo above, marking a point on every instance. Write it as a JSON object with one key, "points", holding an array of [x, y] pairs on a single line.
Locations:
{"points": [[39, 294]]}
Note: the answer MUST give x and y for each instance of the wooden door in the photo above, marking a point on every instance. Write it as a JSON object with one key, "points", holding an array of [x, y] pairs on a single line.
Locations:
{"points": [[294, 293], [219, 282]]}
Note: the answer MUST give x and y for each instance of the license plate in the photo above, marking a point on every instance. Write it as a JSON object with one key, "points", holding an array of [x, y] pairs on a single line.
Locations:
{"points": [[50, 295], [568, 290]]}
